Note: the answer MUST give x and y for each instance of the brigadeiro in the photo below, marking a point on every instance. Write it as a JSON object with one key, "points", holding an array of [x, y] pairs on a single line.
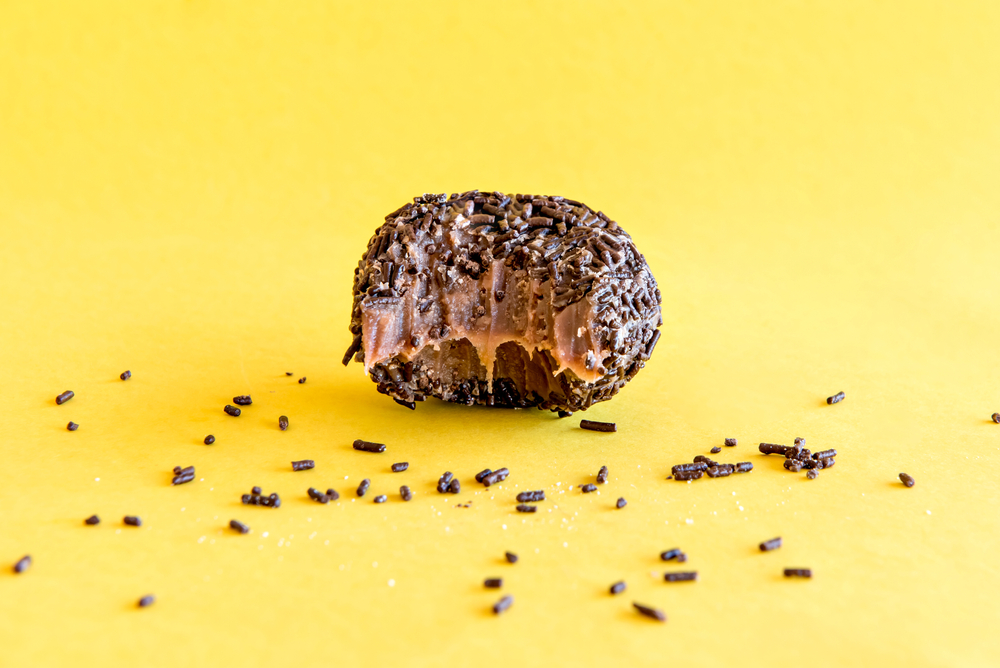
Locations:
{"points": [[502, 300]]}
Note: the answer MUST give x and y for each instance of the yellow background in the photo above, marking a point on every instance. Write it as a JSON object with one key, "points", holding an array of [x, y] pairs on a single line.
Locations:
{"points": [[185, 188]]}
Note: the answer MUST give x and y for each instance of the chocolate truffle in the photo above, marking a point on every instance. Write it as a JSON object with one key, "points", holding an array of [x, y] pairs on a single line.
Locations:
{"points": [[502, 300]]}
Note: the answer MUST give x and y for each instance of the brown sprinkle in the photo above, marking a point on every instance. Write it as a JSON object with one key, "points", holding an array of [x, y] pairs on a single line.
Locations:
{"points": [[232, 410], [363, 487], [72, 426], [532, 496], [283, 423], [209, 440], [621, 503], [716, 450], [798, 573], [793, 465], [720, 471], [812, 474], [591, 425], [836, 399], [800, 441], [687, 475], [503, 604], [444, 481], [510, 557], [589, 487], [493, 583], [23, 564], [288, 373], [730, 442], [773, 449], [302, 380], [482, 474], [64, 397], [239, 526], [92, 520], [670, 555], [743, 467], [496, 476], [996, 417], [687, 468], [907, 479], [617, 588], [652, 613], [823, 454], [367, 446], [399, 467], [243, 400], [147, 601], [132, 521], [183, 477], [381, 498], [769, 545], [405, 492], [602, 475], [125, 375], [303, 465], [454, 487], [682, 576], [525, 508]]}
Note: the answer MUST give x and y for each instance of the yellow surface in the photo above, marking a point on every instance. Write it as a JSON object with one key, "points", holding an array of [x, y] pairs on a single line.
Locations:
{"points": [[185, 188]]}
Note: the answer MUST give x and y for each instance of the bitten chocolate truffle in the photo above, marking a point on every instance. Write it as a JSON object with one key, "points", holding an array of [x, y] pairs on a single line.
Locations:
{"points": [[502, 300]]}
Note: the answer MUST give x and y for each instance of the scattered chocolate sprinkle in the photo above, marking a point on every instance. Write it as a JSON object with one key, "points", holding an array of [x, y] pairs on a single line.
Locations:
{"points": [[687, 468], [617, 588], [381, 498], [243, 400], [652, 613], [800, 441], [682, 557], [511, 557], [482, 474], [496, 476], [769, 545], [793, 465], [183, 476], [147, 601], [331, 494], [730, 442], [798, 573], [716, 450], [743, 467], [621, 503], [64, 397], [399, 467], [454, 487], [132, 521], [288, 373], [907, 479], [682, 576], [531, 496], [812, 474], [836, 399], [317, 495], [405, 492], [493, 583], [598, 426], [209, 440], [589, 487], [687, 475], [363, 487], [708, 461], [823, 454], [503, 604], [670, 555], [232, 410], [367, 446], [255, 498], [444, 481], [720, 471], [183, 469], [283, 423], [565, 414], [525, 508], [23, 564], [72, 426], [125, 375], [303, 465], [255, 490], [773, 449], [602, 475], [996, 417], [92, 520], [827, 462], [239, 526], [302, 380]]}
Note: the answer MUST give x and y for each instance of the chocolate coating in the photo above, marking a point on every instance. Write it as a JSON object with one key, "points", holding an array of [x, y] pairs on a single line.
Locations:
{"points": [[503, 300]]}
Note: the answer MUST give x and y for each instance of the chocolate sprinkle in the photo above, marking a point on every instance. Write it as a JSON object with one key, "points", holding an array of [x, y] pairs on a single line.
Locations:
{"points": [[589, 487], [907, 479], [493, 583], [64, 397], [617, 588], [92, 520], [72, 426], [769, 545], [303, 465], [836, 399], [496, 476], [239, 526], [621, 503], [602, 475], [510, 557], [132, 521], [302, 380], [812, 474], [399, 467], [482, 474], [454, 487], [996, 417], [209, 440], [682, 576], [444, 481], [283, 423], [243, 400], [590, 425], [503, 604], [125, 375], [798, 573], [232, 410], [652, 613], [147, 601], [670, 555], [743, 467], [716, 450], [367, 446], [730, 442], [23, 564], [381, 498], [363, 487], [531, 496], [773, 449], [525, 508], [687, 475], [405, 492]]}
